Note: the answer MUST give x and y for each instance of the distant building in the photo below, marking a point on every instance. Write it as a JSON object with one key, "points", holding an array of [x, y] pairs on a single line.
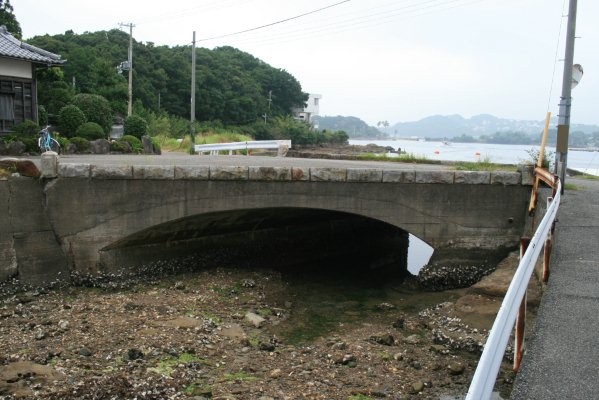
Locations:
{"points": [[312, 108], [18, 90]]}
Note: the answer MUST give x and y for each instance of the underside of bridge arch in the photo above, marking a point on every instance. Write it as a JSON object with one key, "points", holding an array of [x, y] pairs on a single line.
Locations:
{"points": [[282, 238]]}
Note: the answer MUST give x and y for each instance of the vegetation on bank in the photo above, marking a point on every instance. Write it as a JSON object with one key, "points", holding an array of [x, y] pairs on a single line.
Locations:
{"points": [[577, 139], [402, 157]]}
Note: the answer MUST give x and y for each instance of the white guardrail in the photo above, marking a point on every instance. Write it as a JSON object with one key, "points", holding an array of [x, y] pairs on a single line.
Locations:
{"points": [[215, 148], [481, 387]]}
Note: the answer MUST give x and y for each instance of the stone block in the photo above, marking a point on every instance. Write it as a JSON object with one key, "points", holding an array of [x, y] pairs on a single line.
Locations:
{"points": [[505, 178], [154, 172], [328, 174], [218, 173], [270, 173], [300, 174], [434, 177], [192, 172], [49, 164], [112, 171], [74, 170], [399, 176], [364, 175], [528, 174], [473, 177]]}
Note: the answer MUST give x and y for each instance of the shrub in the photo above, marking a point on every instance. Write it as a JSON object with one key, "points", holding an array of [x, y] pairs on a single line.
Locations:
{"points": [[62, 141], [26, 128], [156, 149], [96, 108], [120, 146], [134, 142], [90, 131], [82, 144], [42, 115], [30, 144], [69, 119], [135, 126]]}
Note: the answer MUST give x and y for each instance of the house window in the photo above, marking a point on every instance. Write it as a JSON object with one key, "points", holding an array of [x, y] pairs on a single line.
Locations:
{"points": [[16, 102]]}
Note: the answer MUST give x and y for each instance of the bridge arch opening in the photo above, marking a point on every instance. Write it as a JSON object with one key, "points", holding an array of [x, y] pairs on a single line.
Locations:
{"points": [[282, 238]]}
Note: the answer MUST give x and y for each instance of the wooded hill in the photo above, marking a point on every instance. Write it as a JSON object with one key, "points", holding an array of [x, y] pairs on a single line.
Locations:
{"points": [[231, 86]]}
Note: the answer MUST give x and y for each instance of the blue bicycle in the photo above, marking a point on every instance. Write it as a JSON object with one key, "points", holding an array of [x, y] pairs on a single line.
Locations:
{"points": [[46, 142]]}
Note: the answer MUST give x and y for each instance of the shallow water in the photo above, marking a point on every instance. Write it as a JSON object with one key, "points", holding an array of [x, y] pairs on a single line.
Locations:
{"points": [[320, 305]]}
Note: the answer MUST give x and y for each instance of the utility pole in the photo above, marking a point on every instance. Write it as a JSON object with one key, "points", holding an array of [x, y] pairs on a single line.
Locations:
{"points": [[130, 65], [563, 126], [269, 99], [193, 95]]}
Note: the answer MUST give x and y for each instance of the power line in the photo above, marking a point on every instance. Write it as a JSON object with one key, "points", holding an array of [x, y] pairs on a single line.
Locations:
{"points": [[215, 5], [559, 35], [273, 23], [361, 22]]}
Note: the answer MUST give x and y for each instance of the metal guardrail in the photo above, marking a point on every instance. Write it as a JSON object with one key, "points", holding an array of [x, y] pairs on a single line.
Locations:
{"points": [[215, 148], [514, 305]]}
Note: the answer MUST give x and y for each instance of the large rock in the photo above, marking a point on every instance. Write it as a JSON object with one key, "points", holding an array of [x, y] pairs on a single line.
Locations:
{"points": [[16, 148], [147, 145], [23, 167], [100, 146]]}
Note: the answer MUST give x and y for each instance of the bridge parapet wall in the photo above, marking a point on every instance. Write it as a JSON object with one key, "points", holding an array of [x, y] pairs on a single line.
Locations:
{"points": [[236, 173]]}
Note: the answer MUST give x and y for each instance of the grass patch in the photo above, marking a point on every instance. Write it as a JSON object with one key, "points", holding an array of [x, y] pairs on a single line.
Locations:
{"points": [[167, 365], [571, 186], [359, 396], [198, 388], [403, 158], [182, 144], [240, 377], [588, 177], [483, 164]]}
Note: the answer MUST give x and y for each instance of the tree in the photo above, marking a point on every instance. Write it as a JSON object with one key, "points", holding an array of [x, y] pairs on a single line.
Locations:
{"points": [[8, 19], [135, 126], [70, 119], [96, 109]]}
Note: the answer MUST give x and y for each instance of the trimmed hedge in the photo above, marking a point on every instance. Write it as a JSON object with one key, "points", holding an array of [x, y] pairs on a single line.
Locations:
{"points": [[96, 108], [134, 142], [70, 119], [91, 131], [135, 126], [82, 144]]}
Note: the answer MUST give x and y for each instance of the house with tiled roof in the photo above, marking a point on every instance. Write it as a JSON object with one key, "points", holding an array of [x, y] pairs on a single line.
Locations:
{"points": [[18, 93]]}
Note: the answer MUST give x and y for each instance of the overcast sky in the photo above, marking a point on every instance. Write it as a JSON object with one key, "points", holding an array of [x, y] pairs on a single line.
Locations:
{"points": [[398, 60]]}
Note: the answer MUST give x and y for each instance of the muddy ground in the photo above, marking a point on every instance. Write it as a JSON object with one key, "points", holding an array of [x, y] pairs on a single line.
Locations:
{"points": [[243, 334]]}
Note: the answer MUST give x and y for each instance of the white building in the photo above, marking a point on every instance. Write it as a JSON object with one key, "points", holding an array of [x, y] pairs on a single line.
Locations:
{"points": [[312, 108]]}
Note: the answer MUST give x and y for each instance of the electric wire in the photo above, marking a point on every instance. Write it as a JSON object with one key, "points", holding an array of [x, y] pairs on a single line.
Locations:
{"points": [[212, 6], [559, 35], [273, 23], [355, 23]]}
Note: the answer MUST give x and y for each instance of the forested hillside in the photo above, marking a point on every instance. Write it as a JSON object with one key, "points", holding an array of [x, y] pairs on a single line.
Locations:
{"points": [[231, 86], [353, 126]]}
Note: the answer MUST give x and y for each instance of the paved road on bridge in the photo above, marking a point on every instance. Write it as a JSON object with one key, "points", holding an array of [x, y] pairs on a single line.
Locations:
{"points": [[562, 359], [171, 158]]}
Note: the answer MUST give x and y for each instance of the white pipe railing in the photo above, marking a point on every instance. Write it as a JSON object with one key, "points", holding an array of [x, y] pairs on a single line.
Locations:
{"points": [[485, 375], [249, 145]]}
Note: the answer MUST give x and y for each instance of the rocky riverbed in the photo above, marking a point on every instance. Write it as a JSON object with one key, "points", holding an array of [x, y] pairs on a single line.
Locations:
{"points": [[244, 334]]}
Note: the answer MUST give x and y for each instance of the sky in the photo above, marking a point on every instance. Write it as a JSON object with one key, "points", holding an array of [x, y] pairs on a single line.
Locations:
{"points": [[379, 60]]}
